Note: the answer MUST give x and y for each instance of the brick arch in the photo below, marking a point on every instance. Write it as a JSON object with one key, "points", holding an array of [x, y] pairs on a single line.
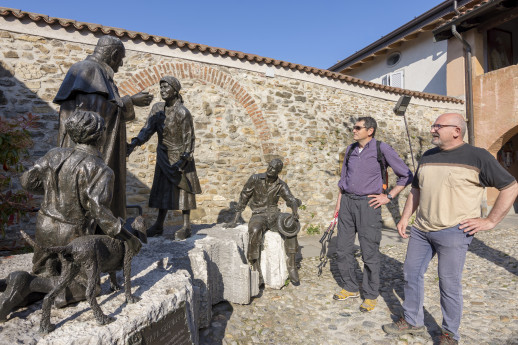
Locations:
{"points": [[152, 75], [502, 139]]}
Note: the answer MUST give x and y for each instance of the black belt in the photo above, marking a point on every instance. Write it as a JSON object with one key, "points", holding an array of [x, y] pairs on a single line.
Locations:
{"points": [[355, 197]]}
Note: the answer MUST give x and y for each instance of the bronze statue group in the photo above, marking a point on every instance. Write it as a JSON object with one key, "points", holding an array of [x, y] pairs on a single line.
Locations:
{"points": [[83, 183]]}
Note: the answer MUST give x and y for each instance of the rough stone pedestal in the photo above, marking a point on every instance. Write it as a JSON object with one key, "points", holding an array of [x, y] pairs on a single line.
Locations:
{"points": [[273, 261], [172, 278], [163, 288]]}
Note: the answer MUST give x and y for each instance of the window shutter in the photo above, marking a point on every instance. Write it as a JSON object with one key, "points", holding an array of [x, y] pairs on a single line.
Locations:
{"points": [[397, 79]]}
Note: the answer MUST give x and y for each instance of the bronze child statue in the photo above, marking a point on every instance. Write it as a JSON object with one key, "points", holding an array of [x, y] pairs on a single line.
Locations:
{"points": [[77, 188], [175, 183]]}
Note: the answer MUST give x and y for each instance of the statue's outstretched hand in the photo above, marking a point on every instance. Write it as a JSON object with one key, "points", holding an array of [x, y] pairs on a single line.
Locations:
{"points": [[142, 99], [130, 147]]}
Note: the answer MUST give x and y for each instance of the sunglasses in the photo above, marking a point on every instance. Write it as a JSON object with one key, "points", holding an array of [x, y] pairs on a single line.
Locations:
{"points": [[357, 128], [439, 126]]}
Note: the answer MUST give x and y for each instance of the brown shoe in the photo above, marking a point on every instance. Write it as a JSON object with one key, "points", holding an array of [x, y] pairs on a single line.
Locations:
{"points": [[447, 339], [402, 327]]}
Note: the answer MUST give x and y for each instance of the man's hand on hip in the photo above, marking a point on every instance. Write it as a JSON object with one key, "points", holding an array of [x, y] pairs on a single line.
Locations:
{"points": [[378, 200], [474, 225]]}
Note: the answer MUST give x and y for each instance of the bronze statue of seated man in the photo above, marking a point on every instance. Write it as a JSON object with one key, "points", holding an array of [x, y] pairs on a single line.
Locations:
{"points": [[262, 192]]}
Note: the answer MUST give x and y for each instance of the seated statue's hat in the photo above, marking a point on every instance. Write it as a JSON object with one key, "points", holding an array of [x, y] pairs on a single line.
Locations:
{"points": [[287, 225]]}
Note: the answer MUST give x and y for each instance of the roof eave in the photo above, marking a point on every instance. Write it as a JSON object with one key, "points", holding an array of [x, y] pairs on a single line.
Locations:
{"points": [[444, 31], [414, 25]]}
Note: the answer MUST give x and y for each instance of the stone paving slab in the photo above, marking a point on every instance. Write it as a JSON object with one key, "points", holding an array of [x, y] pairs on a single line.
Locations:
{"points": [[307, 314]]}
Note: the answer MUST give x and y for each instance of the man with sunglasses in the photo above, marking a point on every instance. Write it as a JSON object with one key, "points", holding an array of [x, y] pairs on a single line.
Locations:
{"points": [[358, 209], [447, 193]]}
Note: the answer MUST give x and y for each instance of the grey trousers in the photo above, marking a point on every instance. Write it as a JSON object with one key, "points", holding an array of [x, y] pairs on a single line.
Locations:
{"points": [[356, 216]]}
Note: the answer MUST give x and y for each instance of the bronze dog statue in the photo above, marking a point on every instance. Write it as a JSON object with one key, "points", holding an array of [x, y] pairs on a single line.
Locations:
{"points": [[94, 254]]}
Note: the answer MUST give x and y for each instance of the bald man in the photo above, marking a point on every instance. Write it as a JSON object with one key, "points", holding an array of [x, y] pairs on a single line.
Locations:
{"points": [[447, 192]]}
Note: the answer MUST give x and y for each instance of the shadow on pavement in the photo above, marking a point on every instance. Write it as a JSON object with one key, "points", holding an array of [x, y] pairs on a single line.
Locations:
{"points": [[495, 256], [214, 334], [392, 283]]}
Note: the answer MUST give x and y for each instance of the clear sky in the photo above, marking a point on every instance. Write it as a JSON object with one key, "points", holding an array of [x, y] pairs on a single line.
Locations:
{"points": [[312, 33]]}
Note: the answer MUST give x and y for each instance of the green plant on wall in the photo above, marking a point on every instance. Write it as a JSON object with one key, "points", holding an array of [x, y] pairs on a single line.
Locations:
{"points": [[15, 139], [313, 229]]}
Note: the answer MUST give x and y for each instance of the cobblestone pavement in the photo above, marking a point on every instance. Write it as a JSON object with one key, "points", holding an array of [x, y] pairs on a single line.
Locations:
{"points": [[307, 314]]}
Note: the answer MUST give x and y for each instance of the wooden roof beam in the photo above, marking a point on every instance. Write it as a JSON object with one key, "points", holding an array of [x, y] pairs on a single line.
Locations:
{"points": [[381, 52], [410, 37], [356, 65], [395, 45]]}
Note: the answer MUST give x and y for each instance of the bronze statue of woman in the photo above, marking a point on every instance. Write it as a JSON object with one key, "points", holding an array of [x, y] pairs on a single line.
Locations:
{"points": [[175, 183]]}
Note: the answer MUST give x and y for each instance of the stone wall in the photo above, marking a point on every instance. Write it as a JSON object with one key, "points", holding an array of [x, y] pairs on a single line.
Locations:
{"points": [[243, 118]]}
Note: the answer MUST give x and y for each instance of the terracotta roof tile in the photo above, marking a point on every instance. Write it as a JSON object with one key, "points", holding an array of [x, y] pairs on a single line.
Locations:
{"points": [[5, 12]]}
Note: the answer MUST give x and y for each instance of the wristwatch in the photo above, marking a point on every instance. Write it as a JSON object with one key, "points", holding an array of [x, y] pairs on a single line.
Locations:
{"points": [[389, 196]]}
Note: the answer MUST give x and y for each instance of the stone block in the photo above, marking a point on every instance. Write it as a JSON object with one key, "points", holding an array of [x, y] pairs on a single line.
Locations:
{"points": [[254, 283], [31, 38], [227, 250], [199, 272], [273, 261], [163, 289]]}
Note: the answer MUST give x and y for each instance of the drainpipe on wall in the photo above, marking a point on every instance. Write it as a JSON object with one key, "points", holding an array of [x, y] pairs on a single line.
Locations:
{"points": [[468, 82]]}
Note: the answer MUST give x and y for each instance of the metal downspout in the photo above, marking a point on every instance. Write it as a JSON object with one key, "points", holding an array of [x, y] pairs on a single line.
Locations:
{"points": [[468, 79]]}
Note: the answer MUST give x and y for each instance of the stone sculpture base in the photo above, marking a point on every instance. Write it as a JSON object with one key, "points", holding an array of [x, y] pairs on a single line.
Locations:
{"points": [[273, 261], [163, 289], [177, 281]]}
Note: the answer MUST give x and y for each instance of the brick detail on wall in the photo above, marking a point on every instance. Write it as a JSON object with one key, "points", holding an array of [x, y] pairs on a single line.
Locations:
{"points": [[189, 70]]}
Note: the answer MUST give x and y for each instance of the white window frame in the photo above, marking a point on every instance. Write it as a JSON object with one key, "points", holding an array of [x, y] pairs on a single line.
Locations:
{"points": [[390, 79]]}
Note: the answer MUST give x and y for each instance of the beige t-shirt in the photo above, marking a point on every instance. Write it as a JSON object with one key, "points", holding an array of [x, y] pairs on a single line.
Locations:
{"points": [[451, 184]]}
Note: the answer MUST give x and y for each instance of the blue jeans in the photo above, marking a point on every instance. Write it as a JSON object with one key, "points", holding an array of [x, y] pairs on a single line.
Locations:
{"points": [[450, 245]]}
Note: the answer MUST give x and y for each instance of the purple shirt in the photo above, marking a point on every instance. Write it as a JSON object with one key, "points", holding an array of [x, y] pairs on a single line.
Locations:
{"points": [[363, 174]]}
